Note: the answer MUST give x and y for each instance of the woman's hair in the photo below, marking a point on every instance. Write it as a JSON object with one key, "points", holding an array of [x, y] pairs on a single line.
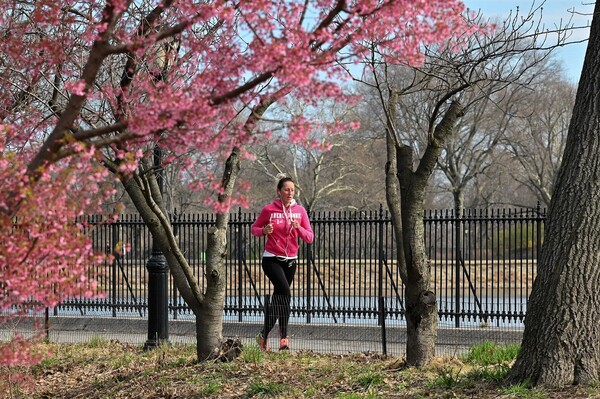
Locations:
{"points": [[282, 180]]}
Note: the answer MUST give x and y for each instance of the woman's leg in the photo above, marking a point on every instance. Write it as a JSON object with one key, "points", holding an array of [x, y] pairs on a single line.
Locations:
{"points": [[289, 270], [276, 271]]}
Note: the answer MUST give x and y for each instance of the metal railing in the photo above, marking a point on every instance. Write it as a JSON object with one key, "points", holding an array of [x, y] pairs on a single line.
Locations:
{"points": [[482, 264]]}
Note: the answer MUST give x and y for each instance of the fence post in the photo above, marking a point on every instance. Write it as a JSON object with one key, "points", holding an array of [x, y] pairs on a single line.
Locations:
{"points": [[240, 261], [457, 257], [309, 268], [47, 324], [267, 302], [538, 211], [114, 242], [381, 301], [175, 222]]}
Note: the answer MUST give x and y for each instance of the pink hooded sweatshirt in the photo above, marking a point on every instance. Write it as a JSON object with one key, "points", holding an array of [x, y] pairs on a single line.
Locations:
{"points": [[283, 241]]}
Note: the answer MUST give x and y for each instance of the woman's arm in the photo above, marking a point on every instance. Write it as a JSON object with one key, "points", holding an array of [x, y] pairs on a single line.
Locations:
{"points": [[304, 230], [259, 223]]}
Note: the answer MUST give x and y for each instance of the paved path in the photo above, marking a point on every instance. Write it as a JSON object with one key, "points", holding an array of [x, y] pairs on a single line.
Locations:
{"points": [[322, 338]]}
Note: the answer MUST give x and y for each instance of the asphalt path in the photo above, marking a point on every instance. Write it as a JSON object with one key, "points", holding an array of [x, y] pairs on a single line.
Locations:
{"points": [[320, 338]]}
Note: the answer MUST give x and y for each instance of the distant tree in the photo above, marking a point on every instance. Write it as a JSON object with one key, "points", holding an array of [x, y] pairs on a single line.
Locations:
{"points": [[537, 134], [321, 172]]}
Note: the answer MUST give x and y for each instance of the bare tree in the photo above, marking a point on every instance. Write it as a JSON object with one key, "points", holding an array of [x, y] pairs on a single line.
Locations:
{"points": [[321, 172], [536, 139], [320, 175], [441, 90]]}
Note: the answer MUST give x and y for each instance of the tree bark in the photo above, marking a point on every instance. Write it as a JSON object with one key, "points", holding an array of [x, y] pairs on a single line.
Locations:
{"points": [[209, 321], [206, 302], [421, 306], [561, 341], [405, 191]]}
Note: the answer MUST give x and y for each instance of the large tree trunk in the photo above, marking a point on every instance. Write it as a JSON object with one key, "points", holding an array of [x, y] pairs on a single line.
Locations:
{"points": [[561, 341], [206, 302], [209, 320], [405, 191]]}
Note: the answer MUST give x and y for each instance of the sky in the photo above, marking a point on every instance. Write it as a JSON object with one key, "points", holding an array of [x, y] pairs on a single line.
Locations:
{"points": [[553, 11]]}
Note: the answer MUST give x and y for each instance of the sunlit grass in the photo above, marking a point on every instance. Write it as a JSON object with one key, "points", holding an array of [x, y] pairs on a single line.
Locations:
{"points": [[490, 353], [113, 370]]}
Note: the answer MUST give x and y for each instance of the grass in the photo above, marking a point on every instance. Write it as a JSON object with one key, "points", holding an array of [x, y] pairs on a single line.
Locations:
{"points": [[110, 369], [490, 353]]}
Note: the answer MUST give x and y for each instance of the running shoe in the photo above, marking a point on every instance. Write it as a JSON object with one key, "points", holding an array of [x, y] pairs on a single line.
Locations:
{"points": [[284, 344], [262, 342]]}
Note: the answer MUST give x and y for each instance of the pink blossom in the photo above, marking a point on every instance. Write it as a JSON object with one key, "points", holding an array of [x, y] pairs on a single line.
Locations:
{"points": [[77, 88], [85, 106]]}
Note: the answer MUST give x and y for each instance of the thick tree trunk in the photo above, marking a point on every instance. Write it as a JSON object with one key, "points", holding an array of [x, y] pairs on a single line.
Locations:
{"points": [[421, 306], [209, 318], [207, 304], [561, 342], [405, 190]]}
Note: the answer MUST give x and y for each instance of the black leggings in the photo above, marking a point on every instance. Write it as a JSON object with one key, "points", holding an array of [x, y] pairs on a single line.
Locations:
{"points": [[281, 274]]}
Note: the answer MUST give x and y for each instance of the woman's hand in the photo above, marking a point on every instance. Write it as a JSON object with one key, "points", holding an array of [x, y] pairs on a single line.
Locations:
{"points": [[267, 229], [295, 223]]}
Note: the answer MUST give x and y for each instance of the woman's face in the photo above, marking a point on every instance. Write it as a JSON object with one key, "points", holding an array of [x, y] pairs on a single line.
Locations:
{"points": [[286, 193]]}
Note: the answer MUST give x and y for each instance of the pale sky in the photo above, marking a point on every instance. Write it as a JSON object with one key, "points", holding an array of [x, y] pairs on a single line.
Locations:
{"points": [[553, 11]]}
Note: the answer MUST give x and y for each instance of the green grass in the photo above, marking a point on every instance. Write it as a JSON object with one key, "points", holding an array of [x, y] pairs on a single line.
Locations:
{"points": [[266, 389], [370, 379], [494, 374], [211, 389], [252, 354], [490, 353], [97, 341], [594, 389], [522, 391], [447, 378], [120, 371]]}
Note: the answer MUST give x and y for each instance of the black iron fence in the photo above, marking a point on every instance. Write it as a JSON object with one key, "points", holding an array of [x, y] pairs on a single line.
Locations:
{"points": [[482, 262]]}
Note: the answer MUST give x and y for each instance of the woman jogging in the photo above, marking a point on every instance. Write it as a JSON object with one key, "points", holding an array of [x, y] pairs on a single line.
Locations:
{"points": [[283, 221]]}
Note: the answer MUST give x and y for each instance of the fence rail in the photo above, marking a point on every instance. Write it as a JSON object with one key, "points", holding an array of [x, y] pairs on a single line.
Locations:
{"points": [[483, 263]]}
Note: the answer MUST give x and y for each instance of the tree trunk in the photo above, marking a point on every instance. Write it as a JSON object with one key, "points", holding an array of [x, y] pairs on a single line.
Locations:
{"points": [[405, 191], [459, 198], [421, 306], [561, 341], [207, 304], [209, 320]]}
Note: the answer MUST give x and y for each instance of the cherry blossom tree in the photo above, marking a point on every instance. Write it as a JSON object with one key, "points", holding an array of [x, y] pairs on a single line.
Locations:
{"points": [[83, 88]]}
